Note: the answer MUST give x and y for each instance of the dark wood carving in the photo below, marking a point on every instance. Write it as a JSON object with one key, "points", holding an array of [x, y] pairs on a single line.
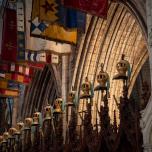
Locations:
{"points": [[47, 135], [18, 142], [102, 137], [36, 138], [27, 143], [146, 92], [129, 134]]}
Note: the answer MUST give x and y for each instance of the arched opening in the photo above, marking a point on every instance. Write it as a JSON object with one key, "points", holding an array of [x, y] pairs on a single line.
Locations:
{"points": [[104, 42]]}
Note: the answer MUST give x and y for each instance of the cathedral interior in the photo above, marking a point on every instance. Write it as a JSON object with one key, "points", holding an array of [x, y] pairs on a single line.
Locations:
{"points": [[75, 79]]}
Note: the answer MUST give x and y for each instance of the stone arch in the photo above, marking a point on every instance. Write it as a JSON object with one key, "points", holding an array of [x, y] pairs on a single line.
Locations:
{"points": [[146, 125], [105, 41]]}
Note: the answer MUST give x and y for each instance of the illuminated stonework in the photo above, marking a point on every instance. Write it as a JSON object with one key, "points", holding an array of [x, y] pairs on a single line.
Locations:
{"points": [[104, 42]]}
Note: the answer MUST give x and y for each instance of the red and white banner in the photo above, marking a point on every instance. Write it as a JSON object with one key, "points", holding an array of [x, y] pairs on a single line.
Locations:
{"points": [[9, 93], [38, 59], [41, 57], [16, 77], [17, 68], [8, 84], [94, 7]]}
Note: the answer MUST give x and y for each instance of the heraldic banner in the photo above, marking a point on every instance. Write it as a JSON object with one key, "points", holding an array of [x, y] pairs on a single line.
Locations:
{"points": [[94, 7], [48, 30], [9, 37]]}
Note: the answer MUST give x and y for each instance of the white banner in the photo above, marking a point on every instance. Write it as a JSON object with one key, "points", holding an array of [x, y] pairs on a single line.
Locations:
{"points": [[54, 58], [20, 17]]}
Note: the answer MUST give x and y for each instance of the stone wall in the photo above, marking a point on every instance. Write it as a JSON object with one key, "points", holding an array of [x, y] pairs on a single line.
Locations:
{"points": [[146, 120]]}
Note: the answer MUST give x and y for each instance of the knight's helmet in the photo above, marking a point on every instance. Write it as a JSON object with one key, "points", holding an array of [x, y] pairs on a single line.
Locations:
{"points": [[28, 123], [19, 127], [102, 79], [86, 89], [123, 68], [12, 132], [5, 136], [1, 139], [71, 98], [58, 106], [37, 119], [4, 140], [48, 112]]}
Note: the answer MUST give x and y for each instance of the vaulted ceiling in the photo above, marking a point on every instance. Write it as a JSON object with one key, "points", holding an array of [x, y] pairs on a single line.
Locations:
{"points": [[124, 32], [138, 10]]}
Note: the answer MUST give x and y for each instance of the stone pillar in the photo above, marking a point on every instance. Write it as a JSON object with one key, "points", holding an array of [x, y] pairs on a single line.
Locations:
{"points": [[146, 117], [15, 111], [149, 26], [65, 67], [146, 126], [147, 148], [21, 101]]}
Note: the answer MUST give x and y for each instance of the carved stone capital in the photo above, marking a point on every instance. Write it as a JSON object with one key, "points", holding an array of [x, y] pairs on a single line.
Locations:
{"points": [[147, 147], [142, 124]]}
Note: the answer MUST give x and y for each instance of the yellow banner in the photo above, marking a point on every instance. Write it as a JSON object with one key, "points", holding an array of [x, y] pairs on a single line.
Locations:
{"points": [[11, 93], [56, 32], [8, 76], [48, 10], [20, 78], [7, 84], [8, 93], [49, 31], [35, 9], [3, 84]]}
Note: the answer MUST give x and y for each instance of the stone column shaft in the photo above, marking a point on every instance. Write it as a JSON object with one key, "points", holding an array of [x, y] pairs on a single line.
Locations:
{"points": [[149, 25], [65, 67], [146, 114], [15, 111]]}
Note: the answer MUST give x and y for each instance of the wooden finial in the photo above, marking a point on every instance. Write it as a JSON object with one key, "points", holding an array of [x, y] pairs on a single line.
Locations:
{"points": [[86, 79], [72, 88], [47, 101], [115, 122], [123, 56], [102, 65]]}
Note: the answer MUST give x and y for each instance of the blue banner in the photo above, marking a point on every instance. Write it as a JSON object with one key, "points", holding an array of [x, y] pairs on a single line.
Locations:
{"points": [[55, 12]]}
